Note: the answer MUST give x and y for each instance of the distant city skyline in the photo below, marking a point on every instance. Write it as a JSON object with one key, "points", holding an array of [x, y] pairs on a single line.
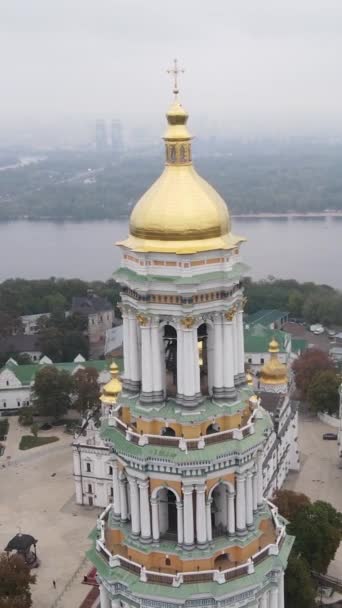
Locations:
{"points": [[263, 67]]}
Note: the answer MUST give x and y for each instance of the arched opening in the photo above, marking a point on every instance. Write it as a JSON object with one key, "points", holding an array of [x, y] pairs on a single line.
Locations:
{"points": [[202, 341], [222, 562], [170, 343], [219, 510], [167, 431], [167, 514], [213, 428]]}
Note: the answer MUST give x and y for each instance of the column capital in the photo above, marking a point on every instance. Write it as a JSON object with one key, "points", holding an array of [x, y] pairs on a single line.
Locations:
{"points": [[200, 489], [188, 489], [143, 483], [179, 505], [143, 320], [240, 477]]}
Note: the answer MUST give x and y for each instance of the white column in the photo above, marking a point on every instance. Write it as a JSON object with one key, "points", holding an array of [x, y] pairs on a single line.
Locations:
{"points": [[145, 510], [240, 504], [155, 519], [126, 346], [189, 389], [255, 491], [236, 350], [180, 531], [264, 600], [135, 508], [104, 598], [123, 499], [196, 366], [201, 528], [218, 353], [208, 519], [134, 349], [274, 597], [188, 517], [249, 499], [231, 513], [180, 367], [116, 490], [241, 346], [281, 590], [158, 383], [146, 360], [228, 355], [260, 479]]}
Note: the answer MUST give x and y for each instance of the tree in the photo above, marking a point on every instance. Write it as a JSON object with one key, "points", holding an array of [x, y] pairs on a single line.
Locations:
{"points": [[52, 391], [322, 393], [9, 324], [310, 362], [318, 531], [299, 587], [86, 389], [289, 503], [15, 582]]}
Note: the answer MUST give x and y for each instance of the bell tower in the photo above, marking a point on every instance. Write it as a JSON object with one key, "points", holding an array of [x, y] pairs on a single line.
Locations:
{"points": [[188, 524]]}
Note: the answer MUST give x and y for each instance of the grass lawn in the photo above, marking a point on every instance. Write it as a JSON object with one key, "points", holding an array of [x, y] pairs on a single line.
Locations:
{"points": [[30, 441]]}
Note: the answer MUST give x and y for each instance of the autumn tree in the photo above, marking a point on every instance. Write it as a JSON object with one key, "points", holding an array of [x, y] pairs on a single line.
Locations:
{"points": [[310, 362], [289, 503], [52, 391], [322, 393], [86, 389], [15, 582]]}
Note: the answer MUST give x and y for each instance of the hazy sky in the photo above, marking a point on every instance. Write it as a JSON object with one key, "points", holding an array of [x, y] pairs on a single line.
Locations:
{"points": [[269, 66]]}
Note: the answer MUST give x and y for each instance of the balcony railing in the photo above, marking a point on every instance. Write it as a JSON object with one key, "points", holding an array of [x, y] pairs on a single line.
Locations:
{"points": [[181, 442], [217, 575]]}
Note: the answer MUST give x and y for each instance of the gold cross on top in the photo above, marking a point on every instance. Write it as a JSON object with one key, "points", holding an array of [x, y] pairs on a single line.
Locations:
{"points": [[175, 71]]}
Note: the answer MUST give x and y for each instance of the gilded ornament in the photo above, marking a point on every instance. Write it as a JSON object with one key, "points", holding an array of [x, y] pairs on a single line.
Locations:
{"points": [[187, 322], [229, 314], [142, 320]]}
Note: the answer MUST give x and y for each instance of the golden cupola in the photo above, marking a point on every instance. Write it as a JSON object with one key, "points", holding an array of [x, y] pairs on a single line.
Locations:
{"points": [[273, 372], [112, 389], [181, 212]]}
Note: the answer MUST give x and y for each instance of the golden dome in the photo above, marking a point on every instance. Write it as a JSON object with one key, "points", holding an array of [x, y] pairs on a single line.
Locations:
{"points": [[273, 372], [112, 389], [181, 212]]}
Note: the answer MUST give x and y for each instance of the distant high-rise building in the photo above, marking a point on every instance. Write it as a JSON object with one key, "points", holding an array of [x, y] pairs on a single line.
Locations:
{"points": [[116, 138], [101, 136]]}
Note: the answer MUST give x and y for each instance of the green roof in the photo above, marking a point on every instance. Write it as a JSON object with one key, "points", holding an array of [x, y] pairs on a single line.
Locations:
{"points": [[258, 337], [26, 373], [220, 276], [266, 316]]}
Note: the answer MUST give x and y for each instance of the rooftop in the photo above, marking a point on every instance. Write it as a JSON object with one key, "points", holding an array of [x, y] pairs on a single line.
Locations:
{"points": [[20, 343], [267, 316], [257, 338]]}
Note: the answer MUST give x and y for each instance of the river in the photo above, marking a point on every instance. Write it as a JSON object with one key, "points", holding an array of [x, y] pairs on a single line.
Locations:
{"points": [[303, 249]]}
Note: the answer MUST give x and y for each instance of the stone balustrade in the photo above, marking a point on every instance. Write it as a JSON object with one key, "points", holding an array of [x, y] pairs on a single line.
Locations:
{"points": [[181, 442]]}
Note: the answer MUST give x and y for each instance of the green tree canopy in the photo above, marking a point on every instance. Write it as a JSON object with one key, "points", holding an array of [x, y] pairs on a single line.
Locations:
{"points": [[86, 389], [52, 391], [318, 531], [322, 393], [299, 587], [308, 364], [15, 582]]}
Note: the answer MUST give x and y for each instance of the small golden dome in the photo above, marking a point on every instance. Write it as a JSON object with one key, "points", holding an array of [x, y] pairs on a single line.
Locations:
{"points": [[181, 212], [273, 372], [112, 389]]}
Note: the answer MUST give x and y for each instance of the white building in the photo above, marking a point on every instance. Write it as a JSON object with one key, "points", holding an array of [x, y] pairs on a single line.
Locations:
{"points": [[100, 315], [30, 323], [16, 381]]}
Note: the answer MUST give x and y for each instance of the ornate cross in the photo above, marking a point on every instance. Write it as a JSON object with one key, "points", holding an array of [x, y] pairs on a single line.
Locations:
{"points": [[175, 71]]}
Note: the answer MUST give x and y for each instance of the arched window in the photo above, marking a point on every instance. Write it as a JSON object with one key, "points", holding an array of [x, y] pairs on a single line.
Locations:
{"points": [[170, 343], [167, 431]]}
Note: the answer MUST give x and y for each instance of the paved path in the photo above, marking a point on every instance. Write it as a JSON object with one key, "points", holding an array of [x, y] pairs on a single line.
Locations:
{"points": [[37, 498], [320, 478]]}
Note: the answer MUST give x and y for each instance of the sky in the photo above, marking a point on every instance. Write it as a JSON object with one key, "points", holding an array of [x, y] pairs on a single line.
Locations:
{"points": [[264, 67]]}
